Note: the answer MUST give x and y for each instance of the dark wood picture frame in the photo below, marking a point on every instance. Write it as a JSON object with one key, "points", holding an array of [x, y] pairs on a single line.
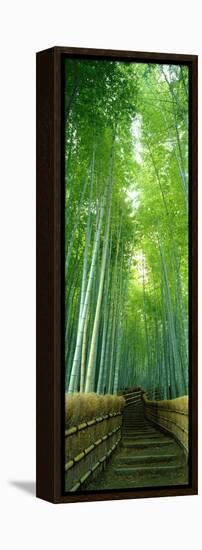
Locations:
{"points": [[50, 389]]}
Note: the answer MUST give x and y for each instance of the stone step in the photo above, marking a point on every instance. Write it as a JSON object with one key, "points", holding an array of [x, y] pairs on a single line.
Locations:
{"points": [[134, 417], [141, 428], [146, 459], [140, 432], [147, 443], [137, 435], [134, 421], [134, 425], [143, 437], [132, 414], [132, 405], [134, 428], [123, 470], [143, 424]]}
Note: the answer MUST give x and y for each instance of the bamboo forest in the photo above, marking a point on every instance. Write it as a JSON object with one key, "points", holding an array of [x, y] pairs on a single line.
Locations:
{"points": [[126, 232]]}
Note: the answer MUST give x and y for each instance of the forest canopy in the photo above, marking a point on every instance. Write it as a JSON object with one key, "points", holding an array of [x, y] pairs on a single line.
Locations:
{"points": [[126, 227]]}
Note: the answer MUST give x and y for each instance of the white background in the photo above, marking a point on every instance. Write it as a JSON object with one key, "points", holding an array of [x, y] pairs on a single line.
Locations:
{"points": [[28, 26]]}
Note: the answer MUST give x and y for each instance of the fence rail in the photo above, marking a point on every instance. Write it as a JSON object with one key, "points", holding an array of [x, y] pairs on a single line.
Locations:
{"points": [[88, 446], [92, 422], [171, 415]]}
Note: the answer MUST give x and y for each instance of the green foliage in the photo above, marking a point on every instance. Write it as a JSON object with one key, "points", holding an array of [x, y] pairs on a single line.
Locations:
{"points": [[126, 167]]}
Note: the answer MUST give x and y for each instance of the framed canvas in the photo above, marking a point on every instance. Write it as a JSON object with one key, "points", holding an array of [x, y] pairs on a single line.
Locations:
{"points": [[116, 274]]}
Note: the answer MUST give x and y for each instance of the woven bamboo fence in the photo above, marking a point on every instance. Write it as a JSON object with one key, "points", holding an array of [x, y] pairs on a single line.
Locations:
{"points": [[172, 416], [90, 443]]}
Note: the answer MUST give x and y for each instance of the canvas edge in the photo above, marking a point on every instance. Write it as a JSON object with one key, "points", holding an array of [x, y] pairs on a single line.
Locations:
{"points": [[49, 432]]}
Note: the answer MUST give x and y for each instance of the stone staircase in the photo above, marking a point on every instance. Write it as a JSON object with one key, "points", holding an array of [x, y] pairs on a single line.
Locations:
{"points": [[146, 456]]}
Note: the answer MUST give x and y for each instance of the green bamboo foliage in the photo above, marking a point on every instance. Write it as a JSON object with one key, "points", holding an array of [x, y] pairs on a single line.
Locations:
{"points": [[126, 227]]}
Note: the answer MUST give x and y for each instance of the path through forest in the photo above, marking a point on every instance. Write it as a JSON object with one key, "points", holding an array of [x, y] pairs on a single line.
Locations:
{"points": [[146, 457]]}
